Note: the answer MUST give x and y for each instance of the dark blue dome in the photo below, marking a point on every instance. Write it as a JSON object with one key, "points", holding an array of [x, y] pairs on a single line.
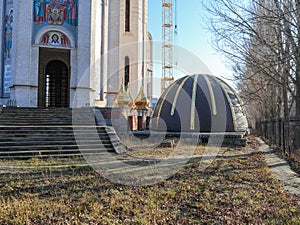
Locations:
{"points": [[199, 103]]}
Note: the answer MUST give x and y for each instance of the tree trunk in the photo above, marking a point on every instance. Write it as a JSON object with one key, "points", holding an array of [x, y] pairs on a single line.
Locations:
{"points": [[296, 144]]}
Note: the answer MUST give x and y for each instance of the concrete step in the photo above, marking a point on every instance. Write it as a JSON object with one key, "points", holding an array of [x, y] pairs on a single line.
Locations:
{"points": [[36, 116], [31, 132], [51, 150], [54, 128], [57, 151], [67, 141], [51, 132], [53, 154], [51, 144]]}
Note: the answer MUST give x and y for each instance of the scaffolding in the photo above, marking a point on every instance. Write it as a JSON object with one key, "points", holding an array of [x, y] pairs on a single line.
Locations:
{"points": [[167, 44]]}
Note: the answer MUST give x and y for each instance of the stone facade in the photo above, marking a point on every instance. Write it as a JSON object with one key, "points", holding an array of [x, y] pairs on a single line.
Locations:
{"points": [[94, 44]]}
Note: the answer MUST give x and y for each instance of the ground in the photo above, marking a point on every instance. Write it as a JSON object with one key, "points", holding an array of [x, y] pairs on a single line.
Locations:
{"points": [[281, 168], [238, 187]]}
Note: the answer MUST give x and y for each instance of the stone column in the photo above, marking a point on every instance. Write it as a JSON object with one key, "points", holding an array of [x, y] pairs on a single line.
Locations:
{"points": [[96, 35], [34, 76], [113, 79], [21, 51], [104, 49], [82, 84], [73, 77], [86, 86]]}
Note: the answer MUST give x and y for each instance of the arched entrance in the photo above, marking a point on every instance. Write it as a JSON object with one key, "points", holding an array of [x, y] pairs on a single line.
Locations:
{"points": [[54, 81], [56, 85]]}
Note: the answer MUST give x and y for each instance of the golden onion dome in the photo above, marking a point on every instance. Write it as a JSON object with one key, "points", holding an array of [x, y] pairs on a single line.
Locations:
{"points": [[141, 102], [122, 99]]}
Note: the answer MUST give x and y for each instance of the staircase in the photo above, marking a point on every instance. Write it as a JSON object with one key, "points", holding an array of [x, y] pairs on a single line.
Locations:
{"points": [[52, 132]]}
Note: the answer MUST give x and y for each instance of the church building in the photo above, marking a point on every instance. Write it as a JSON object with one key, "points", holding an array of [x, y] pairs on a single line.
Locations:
{"points": [[73, 53]]}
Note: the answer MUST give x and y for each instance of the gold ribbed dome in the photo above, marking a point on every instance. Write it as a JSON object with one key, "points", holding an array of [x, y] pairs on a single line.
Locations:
{"points": [[200, 103], [141, 102], [122, 99]]}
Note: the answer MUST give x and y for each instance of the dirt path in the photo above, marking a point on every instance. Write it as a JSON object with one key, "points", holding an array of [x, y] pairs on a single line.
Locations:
{"points": [[281, 169]]}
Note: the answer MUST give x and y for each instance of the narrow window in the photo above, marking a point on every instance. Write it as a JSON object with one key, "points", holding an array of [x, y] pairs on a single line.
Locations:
{"points": [[127, 16], [126, 72]]}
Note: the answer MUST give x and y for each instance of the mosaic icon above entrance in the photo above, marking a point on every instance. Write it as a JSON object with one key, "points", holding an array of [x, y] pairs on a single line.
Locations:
{"points": [[54, 38], [60, 13]]}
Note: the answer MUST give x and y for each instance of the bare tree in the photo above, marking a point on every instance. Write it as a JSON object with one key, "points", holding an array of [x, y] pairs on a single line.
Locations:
{"points": [[243, 33], [261, 40]]}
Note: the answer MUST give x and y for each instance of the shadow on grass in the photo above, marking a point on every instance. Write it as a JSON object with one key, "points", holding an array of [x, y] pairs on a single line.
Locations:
{"points": [[73, 181]]}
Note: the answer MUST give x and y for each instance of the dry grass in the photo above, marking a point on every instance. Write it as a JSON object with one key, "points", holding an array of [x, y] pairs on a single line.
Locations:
{"points": [[235, 189]]}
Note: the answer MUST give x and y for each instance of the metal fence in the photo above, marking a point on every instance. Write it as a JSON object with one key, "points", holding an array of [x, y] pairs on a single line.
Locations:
{"points": [[276, 132]]}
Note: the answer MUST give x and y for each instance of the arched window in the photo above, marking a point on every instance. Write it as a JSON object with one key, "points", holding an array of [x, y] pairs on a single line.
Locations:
{"points": [[126, 72], [127, 16]]}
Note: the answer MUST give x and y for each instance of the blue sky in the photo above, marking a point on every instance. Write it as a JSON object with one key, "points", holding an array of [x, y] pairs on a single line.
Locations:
{"points": [[192, 35]]}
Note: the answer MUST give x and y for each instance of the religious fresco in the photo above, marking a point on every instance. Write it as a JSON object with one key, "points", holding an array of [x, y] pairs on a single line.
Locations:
{"points": [[7, 44], [54, 38], [55, 12]]}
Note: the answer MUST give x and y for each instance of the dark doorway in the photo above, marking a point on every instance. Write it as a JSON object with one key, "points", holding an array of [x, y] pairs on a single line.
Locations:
{"points": [[54, 78], [56, 85]]}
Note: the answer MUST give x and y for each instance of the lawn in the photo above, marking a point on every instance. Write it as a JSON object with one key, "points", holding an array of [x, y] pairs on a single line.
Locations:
{"points": [[237, 188]]}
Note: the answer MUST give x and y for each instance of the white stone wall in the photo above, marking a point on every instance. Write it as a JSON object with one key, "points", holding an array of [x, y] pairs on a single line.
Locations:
{"points": [[84, 79], [96, 63], [133, 47], [26, 61], [131, 44]]}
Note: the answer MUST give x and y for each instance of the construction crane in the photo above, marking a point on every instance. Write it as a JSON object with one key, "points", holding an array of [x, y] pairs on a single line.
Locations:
{"points": [[167, 44]]}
